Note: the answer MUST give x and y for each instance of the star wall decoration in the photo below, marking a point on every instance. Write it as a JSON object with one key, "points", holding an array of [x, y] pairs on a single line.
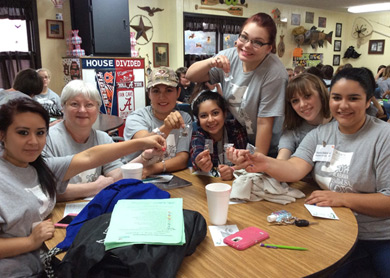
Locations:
{"points": [[141, 28]]}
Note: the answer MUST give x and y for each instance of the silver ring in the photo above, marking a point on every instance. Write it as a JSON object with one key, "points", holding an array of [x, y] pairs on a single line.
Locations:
{"points": [[218, 59]]}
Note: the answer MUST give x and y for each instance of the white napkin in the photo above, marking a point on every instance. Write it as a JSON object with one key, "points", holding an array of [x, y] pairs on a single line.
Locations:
{"points": [[259, 186]]}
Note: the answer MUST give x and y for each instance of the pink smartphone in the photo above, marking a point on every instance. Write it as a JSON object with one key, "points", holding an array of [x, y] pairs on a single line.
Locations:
{"points": [[246, 238], [64, 222]]}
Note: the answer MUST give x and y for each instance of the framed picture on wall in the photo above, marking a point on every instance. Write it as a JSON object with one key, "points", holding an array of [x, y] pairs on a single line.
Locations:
{"points": [[376, 47], [322, 22], [295, 19], [54, 29], [339, 29], [337, 45], [309, 17], [336, 60], [160, 54]]}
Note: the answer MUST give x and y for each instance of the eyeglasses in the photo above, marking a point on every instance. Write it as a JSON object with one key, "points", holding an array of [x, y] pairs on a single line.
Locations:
{"points": [[87, 106], [255, 43]]}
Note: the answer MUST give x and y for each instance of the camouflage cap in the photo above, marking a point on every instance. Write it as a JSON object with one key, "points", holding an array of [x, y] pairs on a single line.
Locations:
{"points": [[162, 75]]}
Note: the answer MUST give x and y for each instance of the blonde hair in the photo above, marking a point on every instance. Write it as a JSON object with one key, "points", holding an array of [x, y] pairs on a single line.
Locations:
{"points": [[386, 73], [47, 71]]}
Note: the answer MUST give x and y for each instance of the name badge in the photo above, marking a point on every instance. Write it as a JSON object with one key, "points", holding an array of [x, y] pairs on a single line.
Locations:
{"points": [[323, 153]]}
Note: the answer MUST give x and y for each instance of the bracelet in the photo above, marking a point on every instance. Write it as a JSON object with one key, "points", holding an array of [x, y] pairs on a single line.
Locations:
{"points": [[232, 168], [164, 166], [158, 131], [144, 159]]}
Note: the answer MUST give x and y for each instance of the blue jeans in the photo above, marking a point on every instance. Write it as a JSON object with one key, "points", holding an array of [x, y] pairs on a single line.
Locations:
{"points": [[378, 93], [386, 105], [370, 258]]}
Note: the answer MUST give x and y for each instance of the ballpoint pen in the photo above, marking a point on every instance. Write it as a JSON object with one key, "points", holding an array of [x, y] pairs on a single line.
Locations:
{"points": [[282, 247]]}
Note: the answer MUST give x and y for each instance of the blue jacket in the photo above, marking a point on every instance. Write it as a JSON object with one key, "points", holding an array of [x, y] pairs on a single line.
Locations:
{"points": [[105, 201]]}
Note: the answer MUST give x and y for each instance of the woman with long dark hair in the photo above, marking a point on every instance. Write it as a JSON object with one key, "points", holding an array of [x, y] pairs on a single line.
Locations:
{"points": [[29, 182]]}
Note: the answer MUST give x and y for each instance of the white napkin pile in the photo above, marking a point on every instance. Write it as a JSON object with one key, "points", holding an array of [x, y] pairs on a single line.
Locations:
{"points": [[259, 186]]}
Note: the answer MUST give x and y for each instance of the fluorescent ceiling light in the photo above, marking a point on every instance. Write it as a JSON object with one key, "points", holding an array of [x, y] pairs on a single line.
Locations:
{"points": [[380, 7]]}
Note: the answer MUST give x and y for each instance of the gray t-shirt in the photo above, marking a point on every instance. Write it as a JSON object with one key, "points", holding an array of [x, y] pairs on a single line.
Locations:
{"points": [[384, 84], [6, 95], [60, 143], [256, 94], [51, 102], [360, 164], [22, 206], [143, 119], [292, 138]]}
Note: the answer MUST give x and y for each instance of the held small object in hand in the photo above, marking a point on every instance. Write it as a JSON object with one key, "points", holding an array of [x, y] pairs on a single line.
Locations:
{"points": [[252, 149], [227, 76], [184, 131], [158, 132], [208, 145], [227, 146]]}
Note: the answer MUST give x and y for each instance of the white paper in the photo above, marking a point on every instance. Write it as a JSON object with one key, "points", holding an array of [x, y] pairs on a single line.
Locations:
{"points": [[74, 207], [218, 233], [323, 212], [323, 153]]}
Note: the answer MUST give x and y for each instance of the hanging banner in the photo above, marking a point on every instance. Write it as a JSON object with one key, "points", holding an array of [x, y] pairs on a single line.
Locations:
{"points": [[120, 82], [126, 101], [105, 80], [130, 76]]}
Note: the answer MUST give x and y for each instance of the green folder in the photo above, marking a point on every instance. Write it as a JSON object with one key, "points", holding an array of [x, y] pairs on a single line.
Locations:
{"points": [[146, 221]]}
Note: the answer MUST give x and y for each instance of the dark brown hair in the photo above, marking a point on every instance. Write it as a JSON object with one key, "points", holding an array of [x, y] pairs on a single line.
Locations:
{"points": [[7, 114], [28, 82]]}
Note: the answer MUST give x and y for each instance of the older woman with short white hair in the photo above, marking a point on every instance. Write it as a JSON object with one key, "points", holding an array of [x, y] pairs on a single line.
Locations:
{"points": [[81, 102]]}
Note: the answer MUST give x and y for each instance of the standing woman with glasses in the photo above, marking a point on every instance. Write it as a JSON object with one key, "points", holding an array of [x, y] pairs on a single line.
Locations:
{"points": [[253, 81]]}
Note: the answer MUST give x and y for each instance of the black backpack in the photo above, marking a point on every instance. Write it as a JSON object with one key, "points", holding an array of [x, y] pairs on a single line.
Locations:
{"points": [[87, 258]]}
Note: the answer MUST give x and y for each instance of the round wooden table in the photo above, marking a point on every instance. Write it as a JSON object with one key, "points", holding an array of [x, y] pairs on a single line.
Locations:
{"points": [[328, 242]]}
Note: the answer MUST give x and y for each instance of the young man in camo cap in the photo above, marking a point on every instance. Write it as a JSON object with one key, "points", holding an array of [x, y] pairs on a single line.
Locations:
{"points": [[161, 117]]}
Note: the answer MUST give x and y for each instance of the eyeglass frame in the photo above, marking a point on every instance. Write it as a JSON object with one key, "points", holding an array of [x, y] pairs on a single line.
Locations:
{"points": [[255, 43]]}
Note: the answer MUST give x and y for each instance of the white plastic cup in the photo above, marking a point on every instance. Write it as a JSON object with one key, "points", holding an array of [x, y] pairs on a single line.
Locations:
{"points": [[218, 196], [132, 171]]}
